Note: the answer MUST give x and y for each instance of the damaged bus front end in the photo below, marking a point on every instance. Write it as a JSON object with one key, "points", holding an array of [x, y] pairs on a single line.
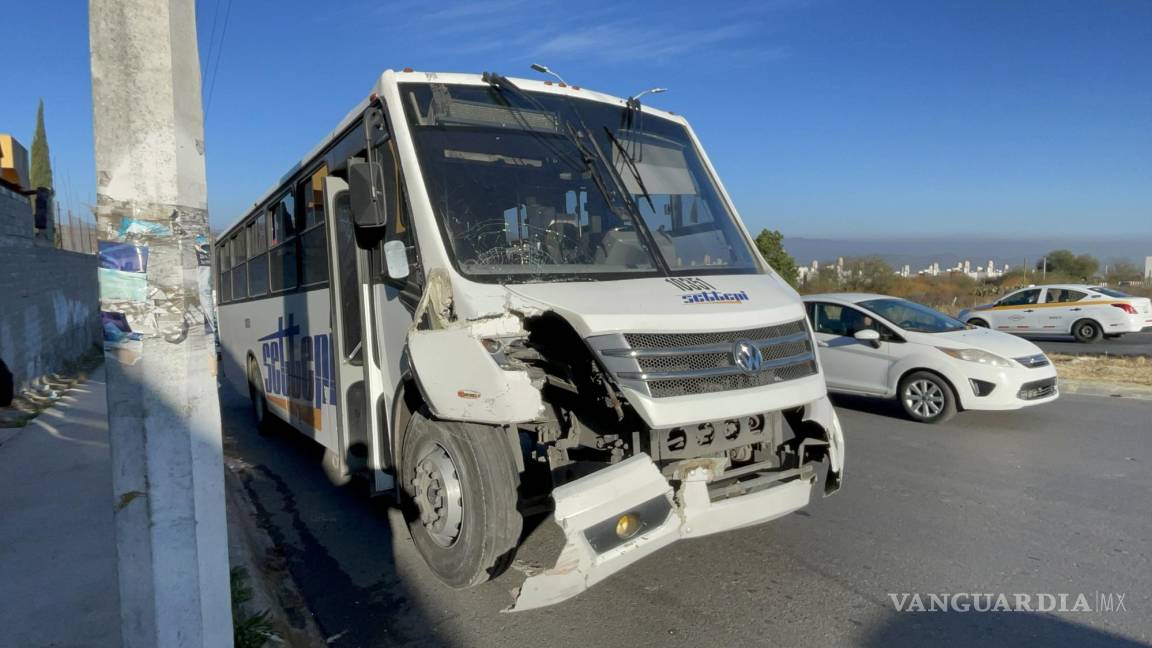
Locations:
{"points": [[595, 333]]}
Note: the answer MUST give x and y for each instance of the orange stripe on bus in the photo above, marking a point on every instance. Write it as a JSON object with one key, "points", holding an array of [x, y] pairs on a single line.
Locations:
{"points": [[300, 410]]}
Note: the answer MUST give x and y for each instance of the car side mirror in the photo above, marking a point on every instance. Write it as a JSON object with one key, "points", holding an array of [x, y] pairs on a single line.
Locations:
{"points": [[396, 258], [367, 200], [869, 336]]}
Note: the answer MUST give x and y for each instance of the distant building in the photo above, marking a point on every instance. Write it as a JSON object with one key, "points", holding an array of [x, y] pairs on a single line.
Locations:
{"points": [[1148, 268]]}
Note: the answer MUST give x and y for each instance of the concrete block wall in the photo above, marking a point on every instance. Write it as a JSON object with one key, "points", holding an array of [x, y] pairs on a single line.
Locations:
{"points": [[49, 299]]}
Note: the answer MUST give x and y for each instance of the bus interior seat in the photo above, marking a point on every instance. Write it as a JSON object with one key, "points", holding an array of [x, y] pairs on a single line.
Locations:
{"points": [[621, 247]]}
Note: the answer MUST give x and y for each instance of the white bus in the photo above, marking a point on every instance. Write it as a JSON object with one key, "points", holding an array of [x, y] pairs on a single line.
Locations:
{"points": [[493, 295]]}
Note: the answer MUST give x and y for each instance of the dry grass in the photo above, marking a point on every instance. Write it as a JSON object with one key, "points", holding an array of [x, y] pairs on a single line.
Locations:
{"points": [[1108, 369]]}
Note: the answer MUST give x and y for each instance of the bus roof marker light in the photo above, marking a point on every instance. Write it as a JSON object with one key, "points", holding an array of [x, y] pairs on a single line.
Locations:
{"points": [[543, 69]]}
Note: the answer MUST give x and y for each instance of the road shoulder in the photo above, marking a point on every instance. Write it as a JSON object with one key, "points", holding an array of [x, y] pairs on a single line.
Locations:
{"points": [[1105, 389]]}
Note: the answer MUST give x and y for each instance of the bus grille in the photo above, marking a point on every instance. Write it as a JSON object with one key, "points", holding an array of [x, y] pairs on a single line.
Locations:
{"points": [[682, 364]]}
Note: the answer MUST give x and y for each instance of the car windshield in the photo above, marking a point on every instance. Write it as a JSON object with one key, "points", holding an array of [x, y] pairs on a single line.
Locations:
{"points": [[911, 316], [532, 187], [1110, 292]]}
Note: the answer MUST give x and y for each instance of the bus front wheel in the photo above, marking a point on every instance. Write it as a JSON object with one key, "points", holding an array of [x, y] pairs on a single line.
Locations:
{"points": [[459, 491]]}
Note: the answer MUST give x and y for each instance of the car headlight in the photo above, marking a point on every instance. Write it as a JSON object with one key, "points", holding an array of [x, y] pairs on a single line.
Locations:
{"points": [[976, 355]]}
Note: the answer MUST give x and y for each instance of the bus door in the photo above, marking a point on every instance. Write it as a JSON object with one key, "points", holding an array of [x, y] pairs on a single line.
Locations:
{"points": [[360, 379]]}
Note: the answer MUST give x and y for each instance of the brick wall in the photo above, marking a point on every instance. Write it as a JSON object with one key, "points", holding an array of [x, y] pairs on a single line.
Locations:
{"points": [[49, 298]]}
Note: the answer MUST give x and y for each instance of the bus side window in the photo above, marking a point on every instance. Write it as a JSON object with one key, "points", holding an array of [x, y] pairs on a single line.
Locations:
{"points": [[313, 244], [239, 267], [223, 273], [282, 258], [258, 256]]}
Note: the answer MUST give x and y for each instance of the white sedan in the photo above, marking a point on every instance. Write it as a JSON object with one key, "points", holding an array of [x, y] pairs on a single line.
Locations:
{"points": [[934, 364], [1086, 312]]}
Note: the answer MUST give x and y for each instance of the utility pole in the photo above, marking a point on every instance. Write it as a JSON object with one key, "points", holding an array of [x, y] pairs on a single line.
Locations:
{"points": [[163, 411]]}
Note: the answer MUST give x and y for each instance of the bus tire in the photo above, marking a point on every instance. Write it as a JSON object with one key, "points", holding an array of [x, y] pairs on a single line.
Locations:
{"points": [[459, 493], [260, 410]]}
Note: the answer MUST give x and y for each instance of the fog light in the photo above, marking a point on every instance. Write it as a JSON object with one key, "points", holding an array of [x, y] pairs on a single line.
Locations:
{"points": [[627, 525], [619, 528]]}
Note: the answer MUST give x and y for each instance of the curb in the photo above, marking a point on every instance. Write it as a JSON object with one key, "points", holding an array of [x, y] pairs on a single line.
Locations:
{"points": [[1106, 390], [273, 588], [45, 391]]}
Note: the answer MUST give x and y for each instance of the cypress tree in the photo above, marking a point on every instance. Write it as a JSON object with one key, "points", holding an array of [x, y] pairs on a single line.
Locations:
{"points": [[41, 173]]}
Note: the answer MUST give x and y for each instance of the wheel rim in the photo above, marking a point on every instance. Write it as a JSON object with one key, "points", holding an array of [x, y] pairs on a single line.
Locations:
{"points": [[924, 398], [437, 493], [1087, 331]]}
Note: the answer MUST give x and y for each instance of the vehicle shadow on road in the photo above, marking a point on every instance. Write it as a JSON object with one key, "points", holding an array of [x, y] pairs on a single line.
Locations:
{"points": [[991, 629], [347, 575], [870, 404]]}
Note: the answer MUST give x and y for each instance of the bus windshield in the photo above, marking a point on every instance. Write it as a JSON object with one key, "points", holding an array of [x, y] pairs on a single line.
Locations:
{"points": [[533, 187]]}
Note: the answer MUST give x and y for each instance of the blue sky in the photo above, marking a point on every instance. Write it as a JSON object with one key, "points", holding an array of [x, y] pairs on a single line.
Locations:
{"points": [[823, 117]]}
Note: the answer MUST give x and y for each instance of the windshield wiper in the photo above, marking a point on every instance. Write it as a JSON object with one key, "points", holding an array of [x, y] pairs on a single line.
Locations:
{"points": [[588, 157], [503, 84], [590, 154], [628, 160]]}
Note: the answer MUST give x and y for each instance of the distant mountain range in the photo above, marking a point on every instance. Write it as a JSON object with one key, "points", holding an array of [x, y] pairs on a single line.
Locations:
{"points": [[920, 252]]}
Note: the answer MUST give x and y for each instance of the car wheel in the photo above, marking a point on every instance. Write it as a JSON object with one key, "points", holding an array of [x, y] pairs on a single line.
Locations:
{"points": [[259, 400], [1087, 331], [976, 321], [459, 491], [927, 398]]}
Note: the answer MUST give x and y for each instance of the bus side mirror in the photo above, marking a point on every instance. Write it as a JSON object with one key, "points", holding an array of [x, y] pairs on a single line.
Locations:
{"points": [[396, 258], [367, 200]]}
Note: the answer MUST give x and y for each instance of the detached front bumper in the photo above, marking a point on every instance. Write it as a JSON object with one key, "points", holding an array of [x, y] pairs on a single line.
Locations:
{"points": [[589, 510]]}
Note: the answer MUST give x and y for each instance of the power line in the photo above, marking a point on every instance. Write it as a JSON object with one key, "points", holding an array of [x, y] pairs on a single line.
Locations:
{"points": [[219, 55], [212, 34]]}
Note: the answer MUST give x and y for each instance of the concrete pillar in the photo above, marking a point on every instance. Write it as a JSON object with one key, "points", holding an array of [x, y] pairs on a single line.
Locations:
{"points": [[164, 417]]}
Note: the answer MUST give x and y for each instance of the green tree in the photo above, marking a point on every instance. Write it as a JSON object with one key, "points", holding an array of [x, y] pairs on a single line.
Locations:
{"points": [[1123, 270], [826, 279], [41, 173], [771, 246], [870, 273], [1064, 262]]}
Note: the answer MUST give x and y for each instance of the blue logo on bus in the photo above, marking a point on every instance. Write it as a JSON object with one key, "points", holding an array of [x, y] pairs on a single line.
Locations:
{"points": [[299, 367]]}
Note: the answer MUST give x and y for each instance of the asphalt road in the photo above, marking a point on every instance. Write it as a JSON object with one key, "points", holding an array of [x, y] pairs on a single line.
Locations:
{"points": [[1132, 344], [1055, 499]]}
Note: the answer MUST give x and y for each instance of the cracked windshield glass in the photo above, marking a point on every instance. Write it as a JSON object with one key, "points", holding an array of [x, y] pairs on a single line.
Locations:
{"points": [[528, 186]]}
